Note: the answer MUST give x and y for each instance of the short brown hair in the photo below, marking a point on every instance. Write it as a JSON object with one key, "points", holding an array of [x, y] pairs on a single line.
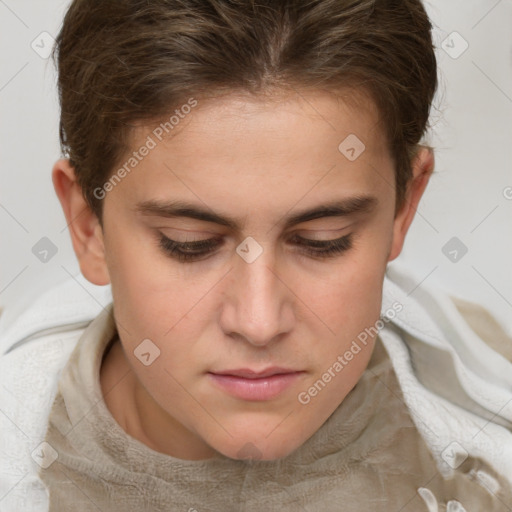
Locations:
{"points": [[125, 61]]}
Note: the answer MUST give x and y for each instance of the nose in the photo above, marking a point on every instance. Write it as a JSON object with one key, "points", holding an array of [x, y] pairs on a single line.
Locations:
{"points": [[258, 306]]}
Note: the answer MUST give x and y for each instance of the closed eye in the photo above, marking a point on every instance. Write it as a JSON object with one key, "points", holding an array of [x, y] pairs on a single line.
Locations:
{"points": [[198, 250]]}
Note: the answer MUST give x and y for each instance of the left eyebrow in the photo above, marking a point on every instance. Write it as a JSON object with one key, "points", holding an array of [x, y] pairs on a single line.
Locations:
{"points": [[360, 204]]}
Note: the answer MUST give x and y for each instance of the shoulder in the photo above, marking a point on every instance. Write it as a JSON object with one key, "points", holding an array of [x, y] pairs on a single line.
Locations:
{"points": [[30, 377], [37, 338]]}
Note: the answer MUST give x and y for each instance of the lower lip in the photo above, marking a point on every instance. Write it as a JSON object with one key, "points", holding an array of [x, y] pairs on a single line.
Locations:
{"points": [[264, 388]]}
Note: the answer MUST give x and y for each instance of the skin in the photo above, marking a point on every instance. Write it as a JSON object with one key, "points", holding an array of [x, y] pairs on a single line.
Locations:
{"points": [[256, 160]]}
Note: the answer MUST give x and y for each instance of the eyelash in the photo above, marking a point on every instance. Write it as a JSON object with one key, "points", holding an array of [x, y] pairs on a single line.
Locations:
{"points": [[315, 248]]}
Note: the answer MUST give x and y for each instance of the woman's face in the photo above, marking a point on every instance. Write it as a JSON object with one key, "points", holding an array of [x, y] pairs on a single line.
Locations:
{"points": [[256, 191]]}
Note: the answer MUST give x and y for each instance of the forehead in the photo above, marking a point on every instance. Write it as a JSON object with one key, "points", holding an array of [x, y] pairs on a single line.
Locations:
{"points": [[237, 147], [269, 119]]}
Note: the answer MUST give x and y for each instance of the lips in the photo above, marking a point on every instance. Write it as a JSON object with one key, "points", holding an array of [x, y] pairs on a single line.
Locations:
{"points": [[247, 373], [251, 385]]}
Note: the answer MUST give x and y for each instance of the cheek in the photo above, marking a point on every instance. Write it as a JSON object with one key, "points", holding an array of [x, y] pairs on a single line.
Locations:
{"points": [[348, 297], [146, 298], [155, 300], [350, 306], [140, 272]]}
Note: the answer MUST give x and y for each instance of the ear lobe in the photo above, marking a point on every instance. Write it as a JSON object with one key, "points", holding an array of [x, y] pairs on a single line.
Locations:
{"points": [[422, 168], [84, 227]]}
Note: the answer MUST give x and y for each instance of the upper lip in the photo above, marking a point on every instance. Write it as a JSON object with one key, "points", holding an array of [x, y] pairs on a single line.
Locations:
{"points": [[247, 373]]}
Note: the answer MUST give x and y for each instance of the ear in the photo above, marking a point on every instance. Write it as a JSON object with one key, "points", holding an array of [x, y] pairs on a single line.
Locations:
{"points": [[84, 226], [422, 168]]}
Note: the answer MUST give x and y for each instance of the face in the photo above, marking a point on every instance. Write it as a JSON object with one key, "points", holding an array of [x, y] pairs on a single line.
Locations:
{"points": [[254, 272]]}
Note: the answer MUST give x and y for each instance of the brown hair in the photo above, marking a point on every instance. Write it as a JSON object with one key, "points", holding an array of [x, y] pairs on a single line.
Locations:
{"points": [[121, 62]]}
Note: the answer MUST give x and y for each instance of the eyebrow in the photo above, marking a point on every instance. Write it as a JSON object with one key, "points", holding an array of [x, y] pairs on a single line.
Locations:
{"points": [[360, 204]]}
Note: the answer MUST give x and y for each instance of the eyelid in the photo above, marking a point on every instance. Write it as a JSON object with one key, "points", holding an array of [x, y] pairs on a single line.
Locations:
{"points": [[201, 249], [322, 235], [202, 234], [218, 239], [198, 235], [328, 234], [321, 228]]}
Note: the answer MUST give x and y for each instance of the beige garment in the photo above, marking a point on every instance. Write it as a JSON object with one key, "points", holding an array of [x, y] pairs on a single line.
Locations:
{"points": [[485, 325], [367, 456]]}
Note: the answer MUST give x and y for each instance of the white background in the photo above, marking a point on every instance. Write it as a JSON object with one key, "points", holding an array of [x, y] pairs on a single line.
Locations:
{"points": [[472, 135]]}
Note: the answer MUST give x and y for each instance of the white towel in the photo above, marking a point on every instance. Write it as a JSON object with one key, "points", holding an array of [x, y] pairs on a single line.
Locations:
{"points": [[427, 331]]}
